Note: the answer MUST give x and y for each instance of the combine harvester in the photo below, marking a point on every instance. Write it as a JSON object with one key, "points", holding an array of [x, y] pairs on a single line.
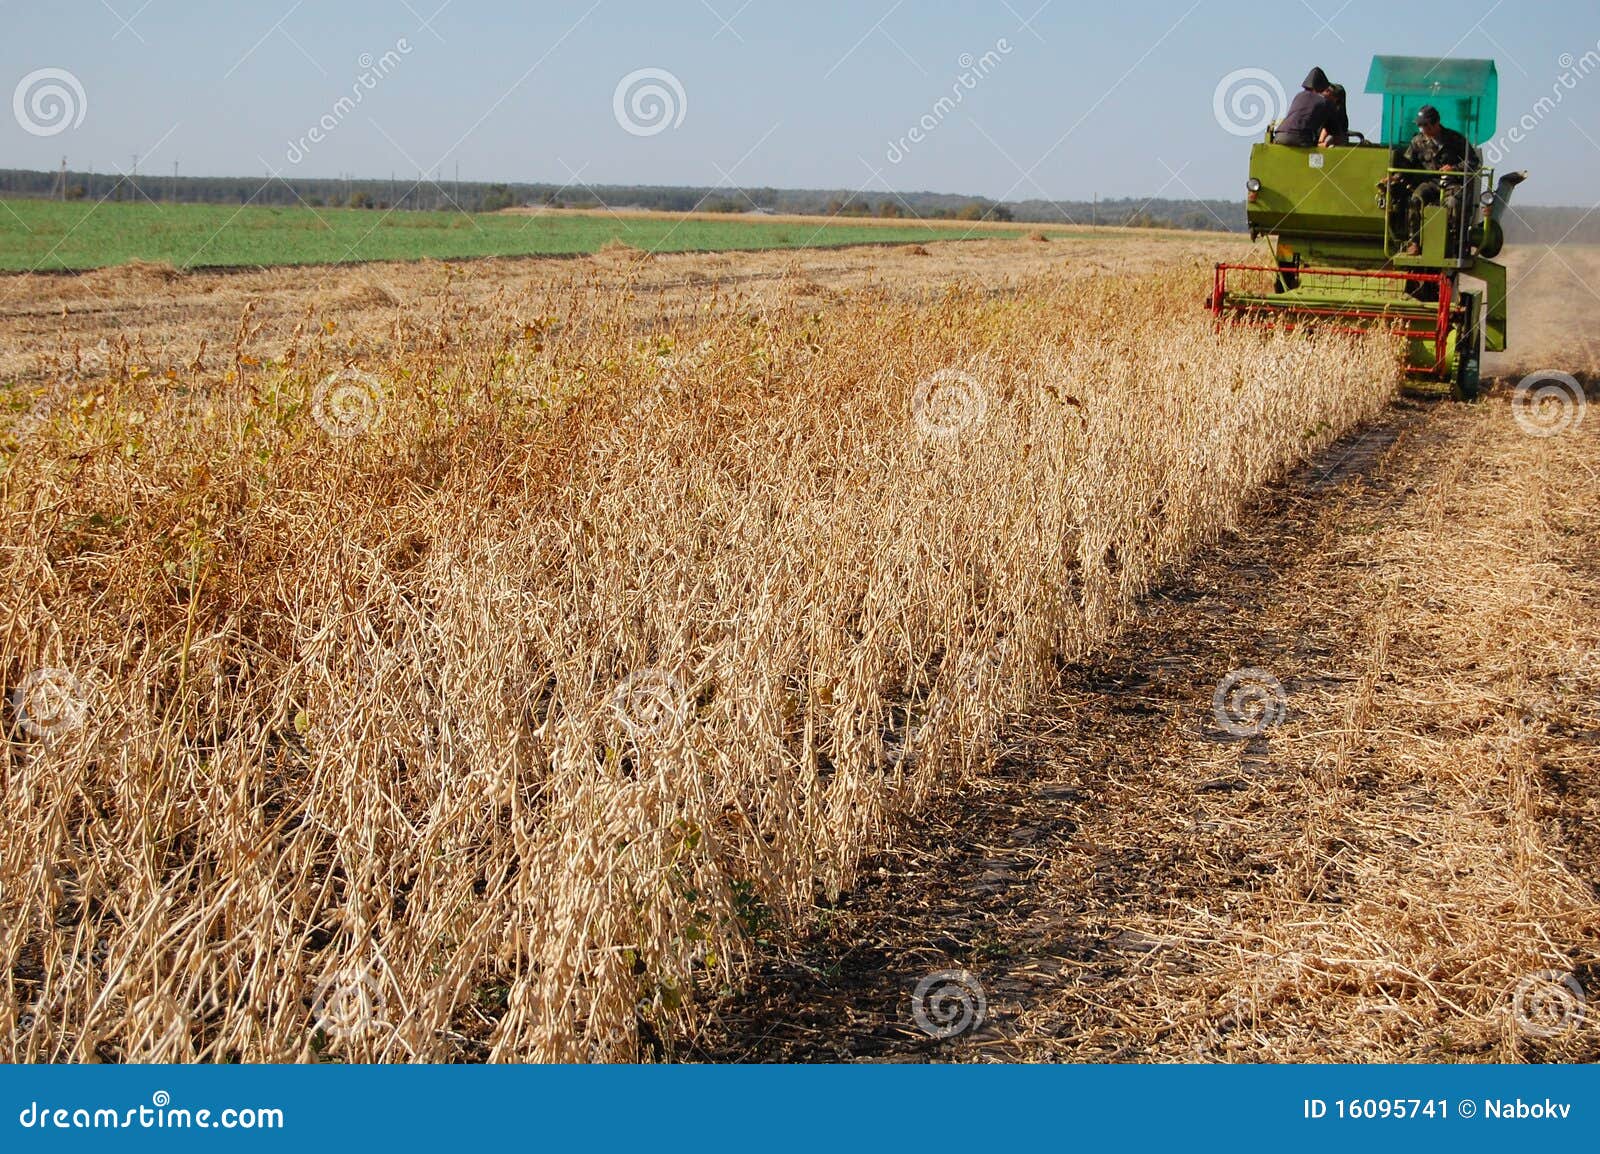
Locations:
{"points": [[1339, 216]]}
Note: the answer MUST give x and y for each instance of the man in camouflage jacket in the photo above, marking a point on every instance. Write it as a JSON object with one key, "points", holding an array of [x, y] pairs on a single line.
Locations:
{"points": [[1435, 148]]}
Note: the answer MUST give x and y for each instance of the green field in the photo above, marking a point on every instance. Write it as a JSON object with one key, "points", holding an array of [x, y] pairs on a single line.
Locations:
{"points": [[51, 235]]}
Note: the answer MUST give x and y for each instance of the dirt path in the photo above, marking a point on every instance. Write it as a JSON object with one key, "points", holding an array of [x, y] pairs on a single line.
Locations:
{"points": [[1394, 871]]}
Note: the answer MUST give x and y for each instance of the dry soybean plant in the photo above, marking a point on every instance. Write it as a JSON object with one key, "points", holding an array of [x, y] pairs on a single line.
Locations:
{"points": [[488, 691]]}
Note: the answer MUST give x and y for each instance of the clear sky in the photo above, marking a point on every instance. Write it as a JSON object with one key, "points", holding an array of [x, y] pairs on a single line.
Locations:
{"points": [[1060, 100]]}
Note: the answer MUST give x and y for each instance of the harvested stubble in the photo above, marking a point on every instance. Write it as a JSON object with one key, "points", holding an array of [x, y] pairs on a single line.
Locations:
{"points": [[502, 729]]}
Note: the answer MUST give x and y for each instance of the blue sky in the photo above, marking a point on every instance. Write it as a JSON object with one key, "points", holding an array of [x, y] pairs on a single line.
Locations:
{"points": [[1061, 101]]}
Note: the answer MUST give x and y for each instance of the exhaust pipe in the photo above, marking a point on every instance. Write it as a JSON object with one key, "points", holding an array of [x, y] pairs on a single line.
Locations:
{"points": [[1502, 194]]}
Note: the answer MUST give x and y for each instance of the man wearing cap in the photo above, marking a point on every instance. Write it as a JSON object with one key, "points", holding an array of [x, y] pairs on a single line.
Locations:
{"points": [[1338, 130], [1435, 148], [1308, 115]]}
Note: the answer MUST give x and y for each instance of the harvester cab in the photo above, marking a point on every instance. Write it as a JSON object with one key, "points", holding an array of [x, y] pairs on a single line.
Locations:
{"points": [[1351, 249]]}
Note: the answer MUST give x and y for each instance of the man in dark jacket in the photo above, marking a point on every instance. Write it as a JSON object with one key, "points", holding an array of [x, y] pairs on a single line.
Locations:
{"points": [[1308, 113], [1435, 148]]}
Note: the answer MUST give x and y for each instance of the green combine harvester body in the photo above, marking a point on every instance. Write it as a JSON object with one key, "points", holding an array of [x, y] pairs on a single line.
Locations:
{"points": [[1337, 217]]}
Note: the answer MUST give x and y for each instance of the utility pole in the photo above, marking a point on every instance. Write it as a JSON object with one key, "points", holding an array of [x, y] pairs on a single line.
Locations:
{"points": [[63, 178], [1094, 210], [174, 196], [458, 184]]}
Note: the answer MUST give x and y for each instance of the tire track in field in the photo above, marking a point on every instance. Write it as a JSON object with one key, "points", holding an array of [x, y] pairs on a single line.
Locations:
{"points": [[1370, 880]]}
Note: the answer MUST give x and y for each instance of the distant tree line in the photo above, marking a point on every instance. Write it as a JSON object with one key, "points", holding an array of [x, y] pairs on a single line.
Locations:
{"points": [[1526, 225], [445, 195]]}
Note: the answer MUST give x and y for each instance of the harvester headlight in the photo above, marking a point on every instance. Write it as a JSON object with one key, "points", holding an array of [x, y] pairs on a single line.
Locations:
{"points": [[1252, 185], [1487, 199]]}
